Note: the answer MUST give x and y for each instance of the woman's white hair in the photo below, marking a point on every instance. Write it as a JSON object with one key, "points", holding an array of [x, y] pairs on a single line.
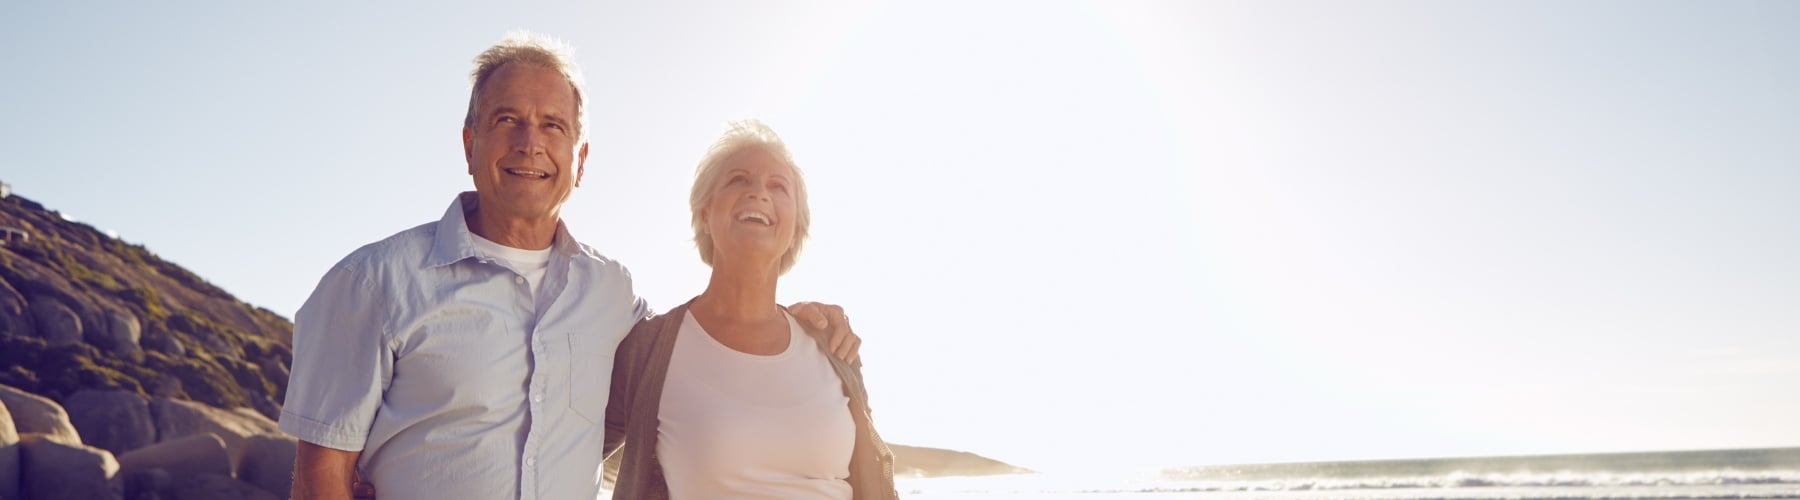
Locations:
{"points": [[741, 136], [525, 47]]}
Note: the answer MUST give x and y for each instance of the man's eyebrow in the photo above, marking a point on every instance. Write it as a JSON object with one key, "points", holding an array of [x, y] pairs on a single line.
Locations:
{"points": [[548, 117]]}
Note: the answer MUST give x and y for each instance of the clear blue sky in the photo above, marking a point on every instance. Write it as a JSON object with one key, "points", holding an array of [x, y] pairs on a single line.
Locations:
{"points": [[1073, 234]]}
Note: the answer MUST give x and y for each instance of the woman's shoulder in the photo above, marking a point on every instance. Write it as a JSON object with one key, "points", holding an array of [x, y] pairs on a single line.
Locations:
{"points": [[643, 335]]}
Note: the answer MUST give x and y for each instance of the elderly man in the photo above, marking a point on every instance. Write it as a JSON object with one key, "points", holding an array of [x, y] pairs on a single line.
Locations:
{"points": [[470, 357]]}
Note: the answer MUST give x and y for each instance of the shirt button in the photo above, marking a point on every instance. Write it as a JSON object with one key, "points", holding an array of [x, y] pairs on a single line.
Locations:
{"points": [[531, 462], [519, 279], [538, 398]]}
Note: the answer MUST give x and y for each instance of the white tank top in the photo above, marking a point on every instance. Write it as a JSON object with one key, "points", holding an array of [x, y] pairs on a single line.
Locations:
{"points": [[739, 425]]}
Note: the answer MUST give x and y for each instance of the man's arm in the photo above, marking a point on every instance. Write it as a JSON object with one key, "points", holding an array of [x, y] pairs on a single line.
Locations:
{"points": [[341, 366], [322, 473]]}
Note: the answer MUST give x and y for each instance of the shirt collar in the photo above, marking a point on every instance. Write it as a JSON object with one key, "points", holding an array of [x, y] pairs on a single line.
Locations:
{"points": [[454, 242]]}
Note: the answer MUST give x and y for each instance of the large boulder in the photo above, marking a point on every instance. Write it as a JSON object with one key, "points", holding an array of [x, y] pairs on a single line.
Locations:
{"points": [[180, 460], [267, 461], [265, 407], [39, 283], [9, 456], [160, 340], [177, 418], [217, 487], [51, 469], [165, 385], [15, 315], [56, 322], [274, 370], [34, 414], [115, 420], [153, 484], [120, 335]]}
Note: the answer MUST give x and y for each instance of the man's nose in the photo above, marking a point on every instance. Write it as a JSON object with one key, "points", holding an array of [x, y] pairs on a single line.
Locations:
{"points": [[528, 140]]}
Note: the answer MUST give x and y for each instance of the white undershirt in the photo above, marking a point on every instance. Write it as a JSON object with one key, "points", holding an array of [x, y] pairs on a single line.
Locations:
{"points": [[528, 263], [739, 425]]}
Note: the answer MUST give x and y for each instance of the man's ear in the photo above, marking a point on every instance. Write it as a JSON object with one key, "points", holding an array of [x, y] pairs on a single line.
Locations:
{"points": [[468, 137], [581, 163]]}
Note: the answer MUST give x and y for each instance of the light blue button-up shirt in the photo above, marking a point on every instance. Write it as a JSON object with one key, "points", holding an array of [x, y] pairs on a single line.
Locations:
{"points": [[435, 362]]}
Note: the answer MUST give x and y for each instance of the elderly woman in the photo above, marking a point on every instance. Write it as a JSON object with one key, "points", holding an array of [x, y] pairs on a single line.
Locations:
{"points": [[727, 396]]}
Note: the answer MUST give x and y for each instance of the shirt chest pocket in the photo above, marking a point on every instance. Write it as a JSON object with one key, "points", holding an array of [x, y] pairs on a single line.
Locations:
{"points": [[590, 375]]}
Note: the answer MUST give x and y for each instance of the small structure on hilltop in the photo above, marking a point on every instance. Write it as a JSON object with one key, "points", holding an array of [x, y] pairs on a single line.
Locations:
{"points": [[8, 235]]}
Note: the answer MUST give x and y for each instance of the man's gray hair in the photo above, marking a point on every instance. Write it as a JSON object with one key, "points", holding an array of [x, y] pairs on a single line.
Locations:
{"points": [[746, 135], [525, 47]]}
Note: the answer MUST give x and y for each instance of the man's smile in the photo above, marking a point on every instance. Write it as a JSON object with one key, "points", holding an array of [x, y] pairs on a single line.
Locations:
{"points": [[528, 173]]}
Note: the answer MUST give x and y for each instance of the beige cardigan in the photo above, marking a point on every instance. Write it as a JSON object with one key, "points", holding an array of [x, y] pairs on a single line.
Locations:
{"points": [[639, 369]]}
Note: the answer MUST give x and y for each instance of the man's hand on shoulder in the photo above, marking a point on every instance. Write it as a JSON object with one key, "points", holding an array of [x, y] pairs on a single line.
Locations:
{"points": [[831, 321]]}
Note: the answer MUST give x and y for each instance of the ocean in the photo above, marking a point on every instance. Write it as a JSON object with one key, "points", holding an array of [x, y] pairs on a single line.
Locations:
{"points": [[1761, 473]]}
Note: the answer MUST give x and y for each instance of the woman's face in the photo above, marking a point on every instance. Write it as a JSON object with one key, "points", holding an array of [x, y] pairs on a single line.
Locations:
{"points": [[751, 213]]}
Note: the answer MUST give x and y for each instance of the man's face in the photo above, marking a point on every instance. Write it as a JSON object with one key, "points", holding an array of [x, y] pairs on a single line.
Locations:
{"points": [[524, 151]]}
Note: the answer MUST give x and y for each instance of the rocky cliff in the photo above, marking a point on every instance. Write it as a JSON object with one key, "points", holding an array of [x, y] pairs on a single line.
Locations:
{"points": [[82, 310], [115, 366]]}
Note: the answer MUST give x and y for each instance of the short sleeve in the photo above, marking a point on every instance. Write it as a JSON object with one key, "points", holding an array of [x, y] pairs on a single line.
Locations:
{"points": [[640, 308], [342, 363]]}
